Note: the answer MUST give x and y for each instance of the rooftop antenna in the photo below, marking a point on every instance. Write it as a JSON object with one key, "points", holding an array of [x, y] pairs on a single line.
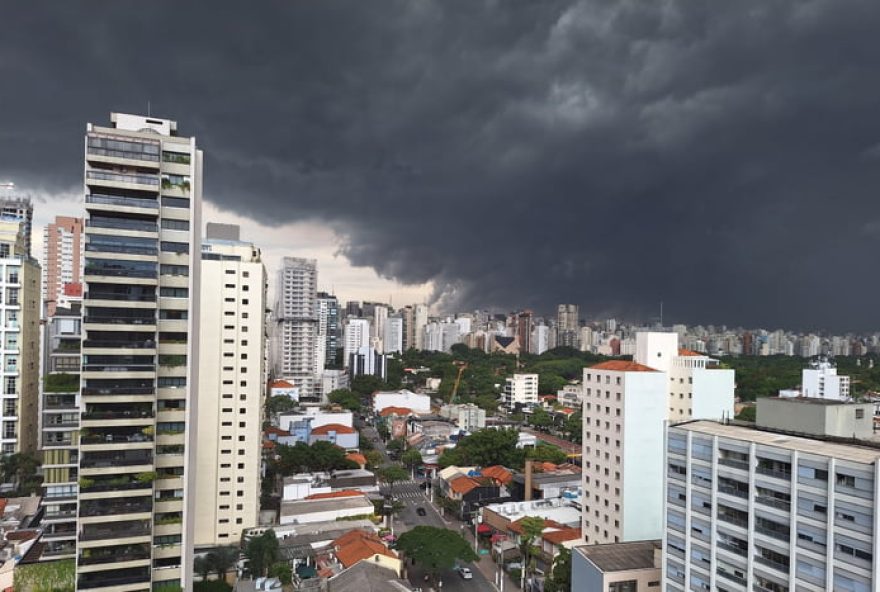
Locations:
{"points": [[149, 109], [661, 313]]}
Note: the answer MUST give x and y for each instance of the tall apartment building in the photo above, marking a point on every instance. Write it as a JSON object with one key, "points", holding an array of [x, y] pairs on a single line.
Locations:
{"points": [[697, 387], [19, 208], [377, 326], [761, 507], [231, 395], [523, 323], [357, 336], [567, 325], [392, 339], [59, 429], [420, 321], [540, 341], [623, 418], [20, 308], [520, 390], [62, 258], [328, 326], [143, 187], [822, 381], [296, 318]]}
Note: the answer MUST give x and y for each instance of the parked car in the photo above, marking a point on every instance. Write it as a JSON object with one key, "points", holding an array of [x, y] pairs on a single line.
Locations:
{"points": [[464, 572], [421, 511]]}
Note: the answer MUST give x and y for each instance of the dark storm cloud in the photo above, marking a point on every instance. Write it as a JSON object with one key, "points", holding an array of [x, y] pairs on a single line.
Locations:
{"points": [[722, 157]]}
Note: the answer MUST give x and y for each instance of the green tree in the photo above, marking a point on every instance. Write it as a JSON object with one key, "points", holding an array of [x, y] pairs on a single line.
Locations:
{"points": [[749, 413], [435, 549], [345, 399], [550, 383], [396, 445], [411, 459], [540, 419], [532, 526], [20, 470], [484, 448], [262, 552], [545, 452], [572, 428], [282, 571], [559, 579], [320, 456], [222, 560], [374, 458], [279, 404], [365, 385], [202, 566], [392, 474]]}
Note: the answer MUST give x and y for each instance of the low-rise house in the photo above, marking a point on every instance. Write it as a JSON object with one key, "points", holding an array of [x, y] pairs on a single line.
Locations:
{"points": [[362, 545], [617, 566], [365, 576], [284, 388], [324, 507], [305, 485], [342, 435], [547, 481], [402, 398]]}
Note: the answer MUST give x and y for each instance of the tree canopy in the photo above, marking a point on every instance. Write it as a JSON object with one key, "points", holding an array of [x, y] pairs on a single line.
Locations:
{"points": [[320, 456], [262, 552], [435, 549], [345, 399], [559, 578]]}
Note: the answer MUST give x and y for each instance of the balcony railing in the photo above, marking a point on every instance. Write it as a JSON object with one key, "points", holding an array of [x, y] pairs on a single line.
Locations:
{"points": [[776, 534], [114, 556], [101, 487], [119, 531], [110, 272], [111, 508], [113, 200], [123, 224], [128, 250], [120, 368], [121, 414], [736, 464], [115, 439], [770, 563], [774, 502], [104, 580], [733, 549], [98, 175], [774, 473], [119, 343], [733, 491]]}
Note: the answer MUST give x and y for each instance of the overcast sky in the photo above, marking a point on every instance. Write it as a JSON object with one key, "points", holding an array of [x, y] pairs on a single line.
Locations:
{"points": [[722, 157]]}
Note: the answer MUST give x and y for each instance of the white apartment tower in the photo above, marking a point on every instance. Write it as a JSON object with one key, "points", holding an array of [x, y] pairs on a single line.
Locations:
{"points": [[20, 339], [420, 321], [821, 380], [567, 317], [231, 393], [624, 411], [356, 336], [143, 187], [520, 390], [759, 508], [296, 318], [393, 337]]}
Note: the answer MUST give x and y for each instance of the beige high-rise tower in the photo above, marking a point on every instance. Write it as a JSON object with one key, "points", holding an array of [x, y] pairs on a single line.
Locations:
{"points": [[231, 391], [62, 258], [143, 187]]}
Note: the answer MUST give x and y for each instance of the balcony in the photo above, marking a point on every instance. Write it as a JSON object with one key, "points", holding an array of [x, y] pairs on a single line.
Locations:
{"points": [[112, 177], [113, 507], [126, 458], [119, 414], [777, 565], [118, 554], [120, 368], [115, 200], [121, 390], [104, 247], [734, 463], [119, 577], [118, 484], [119, 344], [115, 530], [120, 272], [87, 437]]}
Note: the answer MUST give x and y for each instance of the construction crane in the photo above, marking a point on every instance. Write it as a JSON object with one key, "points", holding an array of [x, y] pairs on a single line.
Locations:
{"points": [[462, 366]]}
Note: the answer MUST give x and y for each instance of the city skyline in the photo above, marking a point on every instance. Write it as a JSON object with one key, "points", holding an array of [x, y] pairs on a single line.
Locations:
{"points": [[491, 150]]}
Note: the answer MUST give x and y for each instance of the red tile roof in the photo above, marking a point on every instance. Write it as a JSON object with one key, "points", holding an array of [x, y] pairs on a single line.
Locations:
{"points": [[557, 537], [567, 410], [463, 484], [268, 444], [687, 352], [356, 457], [276, 431], [395, 411], [357, 545], [498, 473], [622, 366], [332, 427], [335, 494], [282, 384]]}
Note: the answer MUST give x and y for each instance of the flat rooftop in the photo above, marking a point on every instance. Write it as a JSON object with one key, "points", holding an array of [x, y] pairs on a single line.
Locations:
{"points": [[621, 556], [859, 451], [299, 507]]}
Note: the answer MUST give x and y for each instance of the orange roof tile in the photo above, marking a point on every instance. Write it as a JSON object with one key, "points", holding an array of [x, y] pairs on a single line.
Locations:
{"points": [[356, 457], [395, 411], [463, 484], [516, 526], [498, 473], [567, 410], [357, 545], [557, 537], [335, 494], [622, 366], [268, 444], [687, 352], [281, 384], [333, 427], [276, 431]]}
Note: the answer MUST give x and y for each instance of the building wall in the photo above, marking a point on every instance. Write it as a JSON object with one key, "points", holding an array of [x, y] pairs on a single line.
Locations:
{"points": [[712, 393], [230, 408], [62, 258]]}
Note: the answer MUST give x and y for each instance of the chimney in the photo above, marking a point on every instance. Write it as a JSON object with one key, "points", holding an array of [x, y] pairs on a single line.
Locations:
{"points": [[528, 482]]}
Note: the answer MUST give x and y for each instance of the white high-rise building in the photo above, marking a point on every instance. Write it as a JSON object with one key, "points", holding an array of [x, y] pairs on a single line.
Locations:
{"points": [[420, 321], [296, 323], [520, 390], [356, 336], [759, 508], [821, 380], [393, 336], [624, 412], [377, 327], [231, 392], [540, 339], [140, 376]]}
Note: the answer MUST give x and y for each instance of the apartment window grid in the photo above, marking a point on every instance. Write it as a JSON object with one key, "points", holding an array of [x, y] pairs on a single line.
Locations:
{"points": [[821, 502]]}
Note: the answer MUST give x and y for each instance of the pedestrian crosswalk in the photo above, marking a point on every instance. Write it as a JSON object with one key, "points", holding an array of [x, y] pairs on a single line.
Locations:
{"points": [[406, 490]]}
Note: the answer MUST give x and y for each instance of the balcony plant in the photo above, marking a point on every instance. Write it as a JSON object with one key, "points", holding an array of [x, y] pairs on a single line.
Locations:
{"points": [[147, 477]]}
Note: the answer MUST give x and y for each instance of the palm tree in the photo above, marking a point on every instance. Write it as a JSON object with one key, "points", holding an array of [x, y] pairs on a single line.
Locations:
{"points": [[222, 560], [202, 566], [262, 552]]}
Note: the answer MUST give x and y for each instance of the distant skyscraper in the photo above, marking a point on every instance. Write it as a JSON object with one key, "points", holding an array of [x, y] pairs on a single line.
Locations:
{"points": [[540, 339], [62, 258], [420, 320], [232, 386], [357, 335], [296, 323], [567, 325], [393, 337], [328, 325], [22, 209], [352, 308], [524, 330], [140, 372]]}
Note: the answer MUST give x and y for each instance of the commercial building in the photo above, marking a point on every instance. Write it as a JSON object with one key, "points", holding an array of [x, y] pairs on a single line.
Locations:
{"points": [[401, 399], [467, 417], [62, 258], [366, 361], [296, 324], [520, 390], [323, 508], [20, 339], [328, 326], [759, 507], [59, 428], [232, 372], [617, 567], [143, 189], [357, 336]]}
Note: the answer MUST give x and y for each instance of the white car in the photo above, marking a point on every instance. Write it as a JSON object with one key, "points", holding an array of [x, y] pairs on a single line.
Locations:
{"points": [[465, 572]]}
